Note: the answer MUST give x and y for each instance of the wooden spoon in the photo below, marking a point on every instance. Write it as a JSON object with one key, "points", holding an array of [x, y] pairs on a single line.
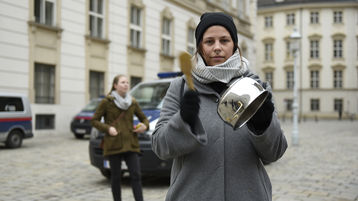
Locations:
{"points": [[186, 66]]}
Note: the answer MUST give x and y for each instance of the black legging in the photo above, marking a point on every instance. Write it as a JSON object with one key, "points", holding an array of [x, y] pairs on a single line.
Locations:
{"points": [[132, 161]]}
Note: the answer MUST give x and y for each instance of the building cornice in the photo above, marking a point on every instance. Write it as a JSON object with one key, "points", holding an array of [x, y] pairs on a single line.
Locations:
{"points": [[287, 7]]}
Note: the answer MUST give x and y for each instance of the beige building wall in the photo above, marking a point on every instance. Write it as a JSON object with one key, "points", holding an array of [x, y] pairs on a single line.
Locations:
{"points": [[325, 32], [65, 43]]}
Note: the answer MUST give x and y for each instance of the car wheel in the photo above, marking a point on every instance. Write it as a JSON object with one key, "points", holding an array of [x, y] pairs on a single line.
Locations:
{"points": [[79, 136], [14, 140], [106, 173]]}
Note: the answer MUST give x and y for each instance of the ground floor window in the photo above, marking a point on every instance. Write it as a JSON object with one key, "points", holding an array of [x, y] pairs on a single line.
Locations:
{"points": [[96, 84], [288, 104], [45, 121], [314, 104], [338, 105], [44, 83]]}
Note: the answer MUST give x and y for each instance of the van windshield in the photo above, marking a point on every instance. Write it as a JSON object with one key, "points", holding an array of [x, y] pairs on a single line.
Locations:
{"points": [[150, 96], [92, 105]]}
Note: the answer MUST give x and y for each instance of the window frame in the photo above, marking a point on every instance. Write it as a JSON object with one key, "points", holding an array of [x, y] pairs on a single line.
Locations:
{"points": [[337, 17], [314, 17], [314, 49], [289, 79], [290, 19], [268, 54], [191, 45], [314, 104], [338, 79], [269, 78], [41, 19], [96, 78], [268, 21], [338, 104], [166, 38], [136, 28], [289, 52], [97, 32], [337, 48], [314, 79], [45, 93]]}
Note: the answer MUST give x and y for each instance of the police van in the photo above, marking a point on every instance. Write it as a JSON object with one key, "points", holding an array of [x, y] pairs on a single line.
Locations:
{"points": [[15, 119], [149, 96]]}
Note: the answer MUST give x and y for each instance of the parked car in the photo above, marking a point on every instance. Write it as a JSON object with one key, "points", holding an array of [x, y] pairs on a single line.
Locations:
{"points": [[81, 123], [15, 119], [150, 96]]}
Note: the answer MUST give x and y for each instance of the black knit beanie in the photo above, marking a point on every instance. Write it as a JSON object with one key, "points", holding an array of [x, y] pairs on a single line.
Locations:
{"points": [[215, 18]]}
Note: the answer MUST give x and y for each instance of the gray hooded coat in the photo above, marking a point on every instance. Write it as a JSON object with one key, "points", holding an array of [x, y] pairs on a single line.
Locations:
{"points": [[214, 162]]}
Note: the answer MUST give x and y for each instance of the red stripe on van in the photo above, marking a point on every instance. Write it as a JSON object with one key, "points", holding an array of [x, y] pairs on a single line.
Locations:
{"points": [[83, 117], [15, 119]]}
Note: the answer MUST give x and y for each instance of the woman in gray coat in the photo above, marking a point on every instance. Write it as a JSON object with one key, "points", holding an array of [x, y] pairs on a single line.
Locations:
{"points": [[211, 160]]}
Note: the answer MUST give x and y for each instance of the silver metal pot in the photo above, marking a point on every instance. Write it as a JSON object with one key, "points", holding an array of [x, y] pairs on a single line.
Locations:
{"points": [[241, 101]]}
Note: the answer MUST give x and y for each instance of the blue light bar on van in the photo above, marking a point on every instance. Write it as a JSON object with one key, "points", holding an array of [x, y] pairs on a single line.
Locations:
{"points": [[169, 74]]}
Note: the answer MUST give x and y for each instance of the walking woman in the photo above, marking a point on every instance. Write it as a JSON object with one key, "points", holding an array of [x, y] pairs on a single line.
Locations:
{"points": [[211, 160], [121, 139]]}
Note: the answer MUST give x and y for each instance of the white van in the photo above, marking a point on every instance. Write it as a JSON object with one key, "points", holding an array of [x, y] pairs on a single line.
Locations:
{"points": [[15, 119]]}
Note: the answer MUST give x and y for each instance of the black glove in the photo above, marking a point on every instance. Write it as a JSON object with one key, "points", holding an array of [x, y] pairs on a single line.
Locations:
{"points": [[189, 107], [262, 118]]}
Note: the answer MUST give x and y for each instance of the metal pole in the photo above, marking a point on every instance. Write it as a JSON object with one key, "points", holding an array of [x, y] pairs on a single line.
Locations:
{"points": [[295, 97]]}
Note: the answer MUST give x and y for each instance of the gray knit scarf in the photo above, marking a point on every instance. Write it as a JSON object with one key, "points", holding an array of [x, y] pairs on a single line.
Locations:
{"points": [[233, 67], [122, 103]]}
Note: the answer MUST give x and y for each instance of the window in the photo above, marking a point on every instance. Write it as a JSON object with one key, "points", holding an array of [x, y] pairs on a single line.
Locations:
{"points": [[269, 78], [135, 80], [44, 83], [314, 49], [338, 48], [268, 52], [166, 36], [288, 103], [96, 84], [96, 18], [45, 121], [136, 27], [338, 105], [314, 18], [289, 79], [11, 104], [290, 19], [338, 79], [314, 104], [191, 41], [268, 22], [337, 17], [45, 12], [314, 79], [289, 52]]}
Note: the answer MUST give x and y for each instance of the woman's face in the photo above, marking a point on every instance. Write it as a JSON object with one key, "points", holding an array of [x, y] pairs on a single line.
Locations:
{"points": [[217, 45], [122, 86]]}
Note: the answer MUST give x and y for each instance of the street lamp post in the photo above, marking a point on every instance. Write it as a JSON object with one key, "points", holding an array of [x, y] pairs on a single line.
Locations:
{"points": [[295, 38]]}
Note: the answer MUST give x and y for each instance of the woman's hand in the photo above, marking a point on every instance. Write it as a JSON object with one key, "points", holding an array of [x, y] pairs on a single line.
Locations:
{"points": [[140, 128], [112, 131]]}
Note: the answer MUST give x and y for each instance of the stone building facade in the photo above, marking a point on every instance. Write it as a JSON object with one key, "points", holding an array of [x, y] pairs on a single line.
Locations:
{"points": [[327, 60], [62, 53]]}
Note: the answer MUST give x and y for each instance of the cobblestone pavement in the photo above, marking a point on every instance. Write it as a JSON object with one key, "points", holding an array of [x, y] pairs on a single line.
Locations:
{"points": [[324, 167]]}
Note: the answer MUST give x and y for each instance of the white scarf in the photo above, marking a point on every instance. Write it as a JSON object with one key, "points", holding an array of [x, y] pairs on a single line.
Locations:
{"points": [[233, 67], [122, 103]]}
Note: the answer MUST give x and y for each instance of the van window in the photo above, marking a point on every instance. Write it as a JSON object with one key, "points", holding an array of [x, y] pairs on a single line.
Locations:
{"points": [[91, 106], [11, 104], [150, 96]]}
